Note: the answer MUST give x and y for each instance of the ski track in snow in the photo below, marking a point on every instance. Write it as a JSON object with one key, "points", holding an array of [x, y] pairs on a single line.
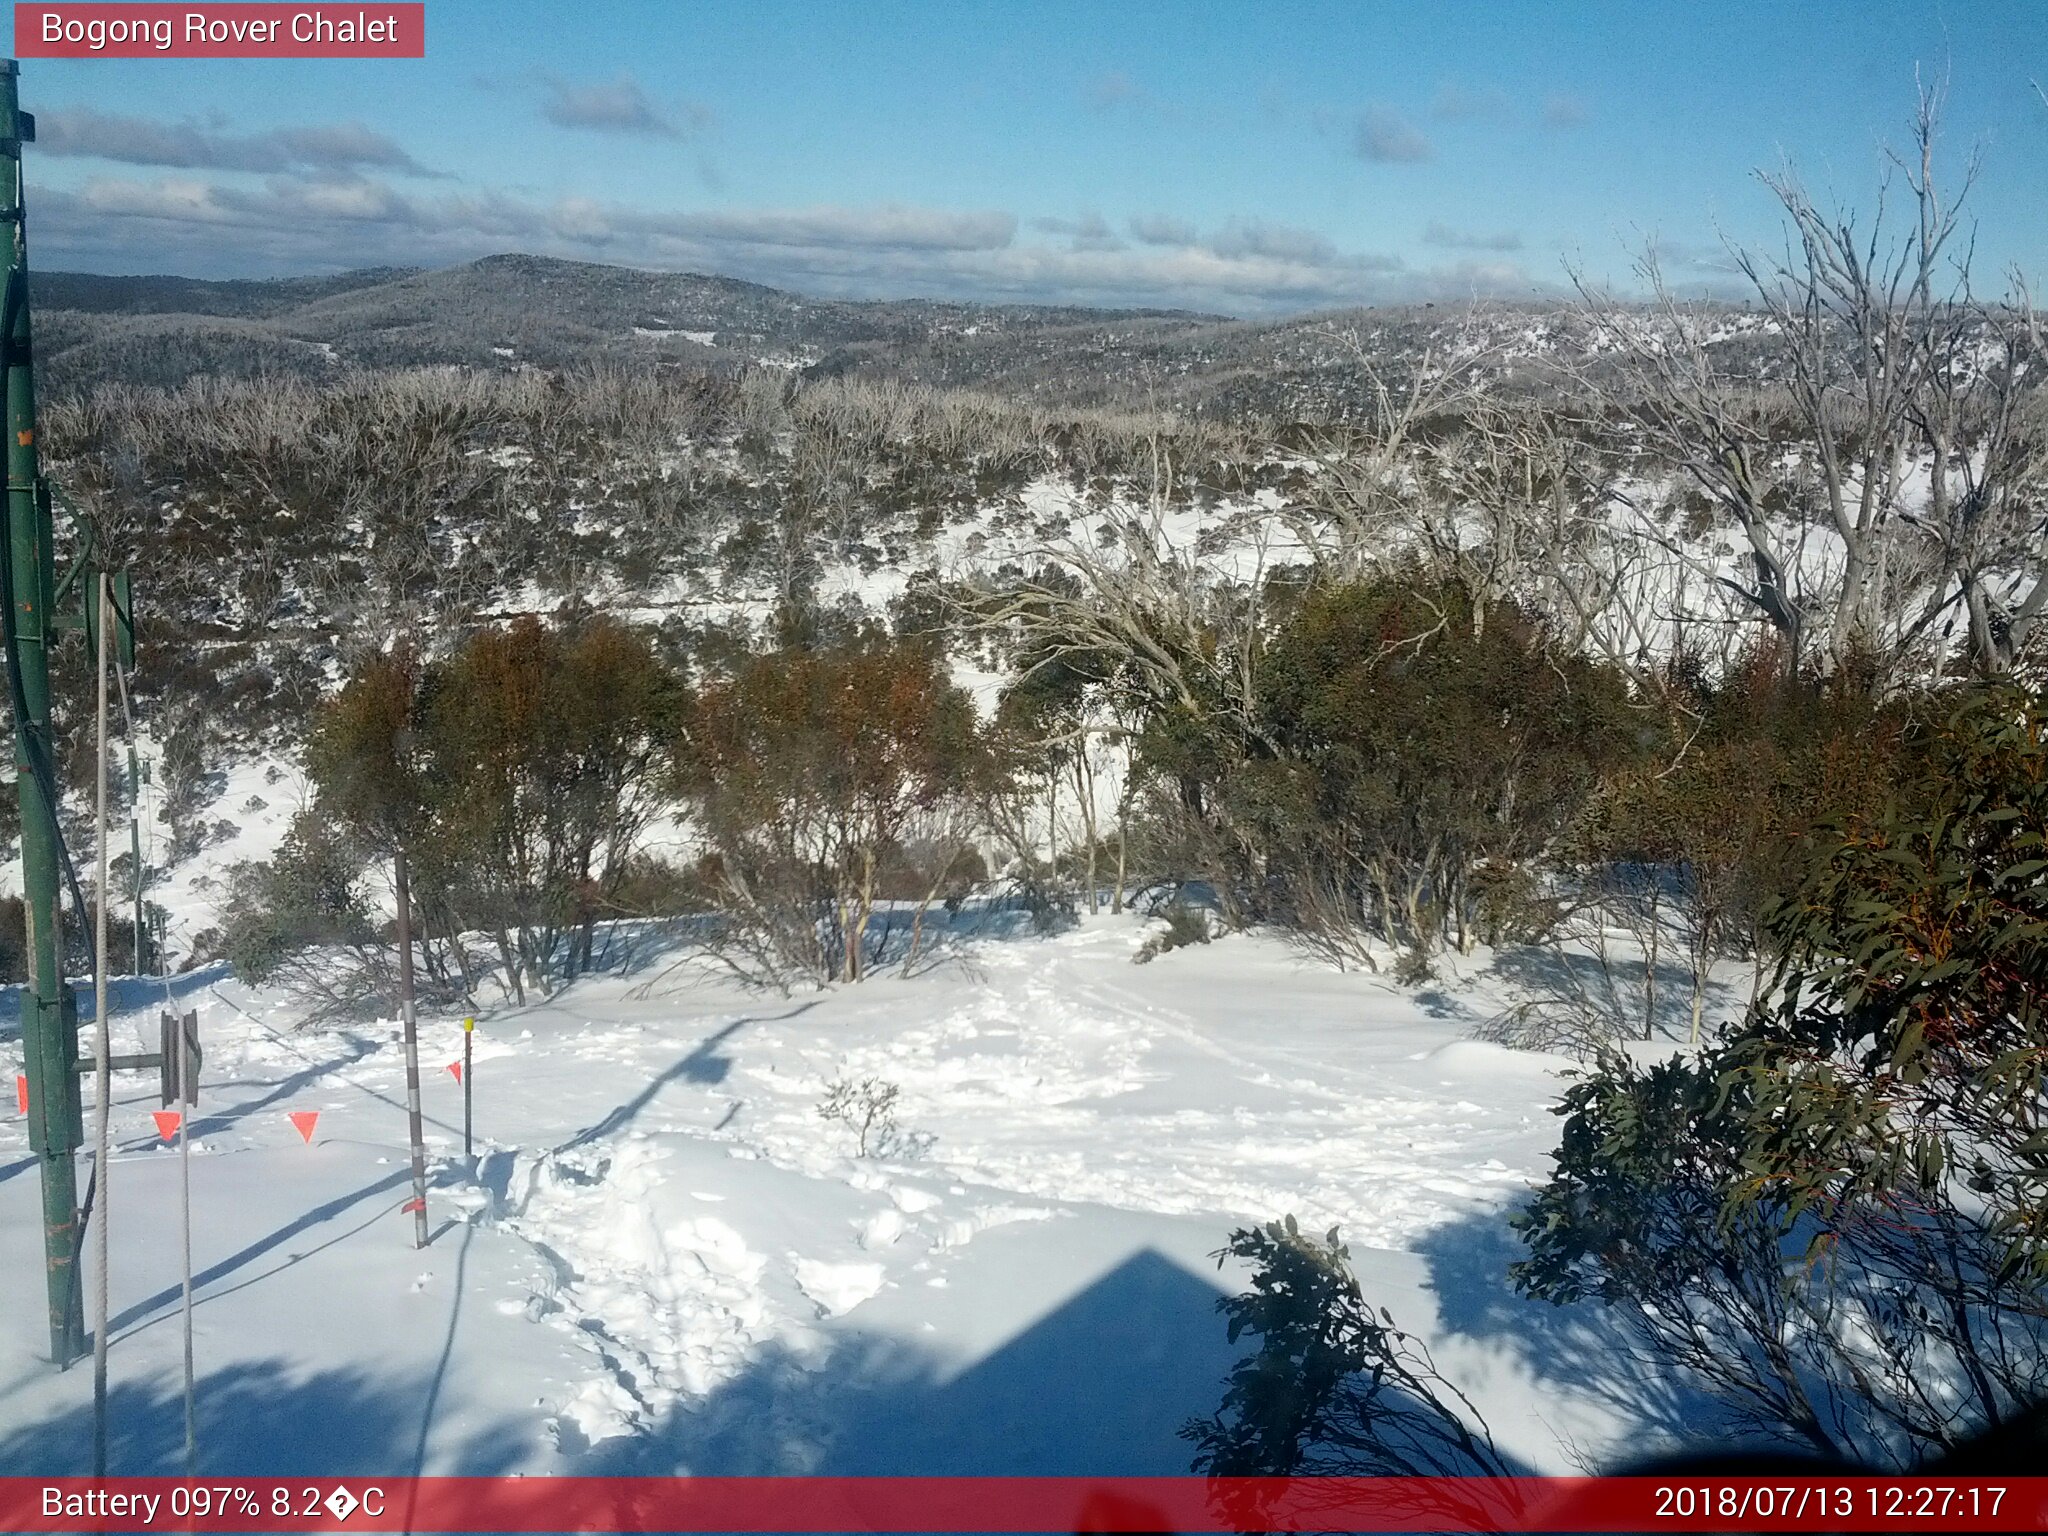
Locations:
{"points": [[1033, 1082]]}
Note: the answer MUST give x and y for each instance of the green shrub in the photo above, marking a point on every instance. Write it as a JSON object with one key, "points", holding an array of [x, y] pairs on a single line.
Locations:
{"points": [[1837, 1218], [1404, 743], [1185, 925], [1334, 1387]]}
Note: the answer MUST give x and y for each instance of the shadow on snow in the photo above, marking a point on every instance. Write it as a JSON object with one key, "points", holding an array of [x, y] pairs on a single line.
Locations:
{"points": [[1098, 1386]]}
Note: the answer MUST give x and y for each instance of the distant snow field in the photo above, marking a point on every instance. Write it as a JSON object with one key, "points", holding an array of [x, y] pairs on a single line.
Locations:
{"points": [[666, 1260]]}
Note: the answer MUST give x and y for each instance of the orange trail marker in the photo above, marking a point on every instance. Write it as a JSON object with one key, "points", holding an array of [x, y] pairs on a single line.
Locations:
{"points": [[305, 1120], [166, 1122], [21, 1091], [456, 1068], [411, 1206]]}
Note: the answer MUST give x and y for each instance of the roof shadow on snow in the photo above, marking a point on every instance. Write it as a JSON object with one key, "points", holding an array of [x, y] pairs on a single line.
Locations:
{"points": [[1582, 1346], [1100, 1386]]}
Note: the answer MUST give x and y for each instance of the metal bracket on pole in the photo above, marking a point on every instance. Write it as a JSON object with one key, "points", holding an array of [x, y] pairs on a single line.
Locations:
{"points": [[122, 605], [180, 1049], [163, 1061]]}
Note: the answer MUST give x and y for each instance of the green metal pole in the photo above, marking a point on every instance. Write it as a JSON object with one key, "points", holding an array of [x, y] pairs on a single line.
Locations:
{"points": [[49, 1033], [135, 853]]}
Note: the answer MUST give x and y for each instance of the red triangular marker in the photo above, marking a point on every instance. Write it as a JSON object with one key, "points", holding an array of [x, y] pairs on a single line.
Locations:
{"points": [[166, 1122], [21, 1091], [456, 1068], [414, 1204], [305, 1120]]}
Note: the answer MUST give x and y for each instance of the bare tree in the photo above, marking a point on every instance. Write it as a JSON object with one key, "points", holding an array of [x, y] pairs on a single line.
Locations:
{"points": [[1985, 524], [386, 458], [1876, 382], [1370, 498]]}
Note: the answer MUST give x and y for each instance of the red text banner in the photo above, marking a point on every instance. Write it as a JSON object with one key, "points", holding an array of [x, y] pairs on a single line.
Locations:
{"points": [[1020, 1504], [233, 31]]}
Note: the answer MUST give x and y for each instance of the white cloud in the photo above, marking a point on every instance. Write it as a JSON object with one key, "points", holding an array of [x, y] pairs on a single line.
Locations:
{"points": [[1090, 232], [617, 105], [889, 227], [1561, 110], [1277, 242], [81, 131], [1162, 229], [1440, 233], [316, 224], [1383, 134]]}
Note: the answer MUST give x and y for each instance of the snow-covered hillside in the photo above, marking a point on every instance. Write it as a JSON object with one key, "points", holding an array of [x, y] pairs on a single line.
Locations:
{"points": [[667, 1260]]}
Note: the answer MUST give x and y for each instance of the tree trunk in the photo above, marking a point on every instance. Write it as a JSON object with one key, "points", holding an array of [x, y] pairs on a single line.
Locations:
{"points": [[1052, 826], [1126, 792], [461, 953], [510, 960], [1084, 786], [931, 895], [1123, 844]]}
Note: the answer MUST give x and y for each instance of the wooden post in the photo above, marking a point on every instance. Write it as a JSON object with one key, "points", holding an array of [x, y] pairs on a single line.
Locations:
{"points": [[468, 1079], [409, 1015]]}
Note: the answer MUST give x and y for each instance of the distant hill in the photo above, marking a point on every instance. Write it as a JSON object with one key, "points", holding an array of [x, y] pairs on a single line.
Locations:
{"points": [[507, 312], [502, 311], [244, 298]]}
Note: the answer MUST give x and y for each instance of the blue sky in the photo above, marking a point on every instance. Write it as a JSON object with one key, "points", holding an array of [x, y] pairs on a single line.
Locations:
{"points": [[1246, 158]]}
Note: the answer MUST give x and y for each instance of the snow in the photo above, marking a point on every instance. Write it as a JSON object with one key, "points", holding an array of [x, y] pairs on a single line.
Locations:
{"points": [[258, 800], [666, 1260], [245, 820]]}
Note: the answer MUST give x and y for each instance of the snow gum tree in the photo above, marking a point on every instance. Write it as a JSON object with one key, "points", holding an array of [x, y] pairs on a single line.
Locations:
{"points": [[543, 745], [810, 771], [517, 772], [1876, 456]]}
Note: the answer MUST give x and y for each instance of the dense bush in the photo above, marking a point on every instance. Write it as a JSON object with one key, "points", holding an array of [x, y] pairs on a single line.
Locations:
{"points": [[1837, 1219], [816, 773], [1410, 751]]}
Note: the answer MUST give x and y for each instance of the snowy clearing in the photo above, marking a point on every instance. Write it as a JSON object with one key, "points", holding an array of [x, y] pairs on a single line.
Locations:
{"points": [[668, 1261]]}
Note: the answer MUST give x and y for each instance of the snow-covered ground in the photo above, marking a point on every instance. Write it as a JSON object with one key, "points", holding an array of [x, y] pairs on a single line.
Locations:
{"points": [[667, 1260]]}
